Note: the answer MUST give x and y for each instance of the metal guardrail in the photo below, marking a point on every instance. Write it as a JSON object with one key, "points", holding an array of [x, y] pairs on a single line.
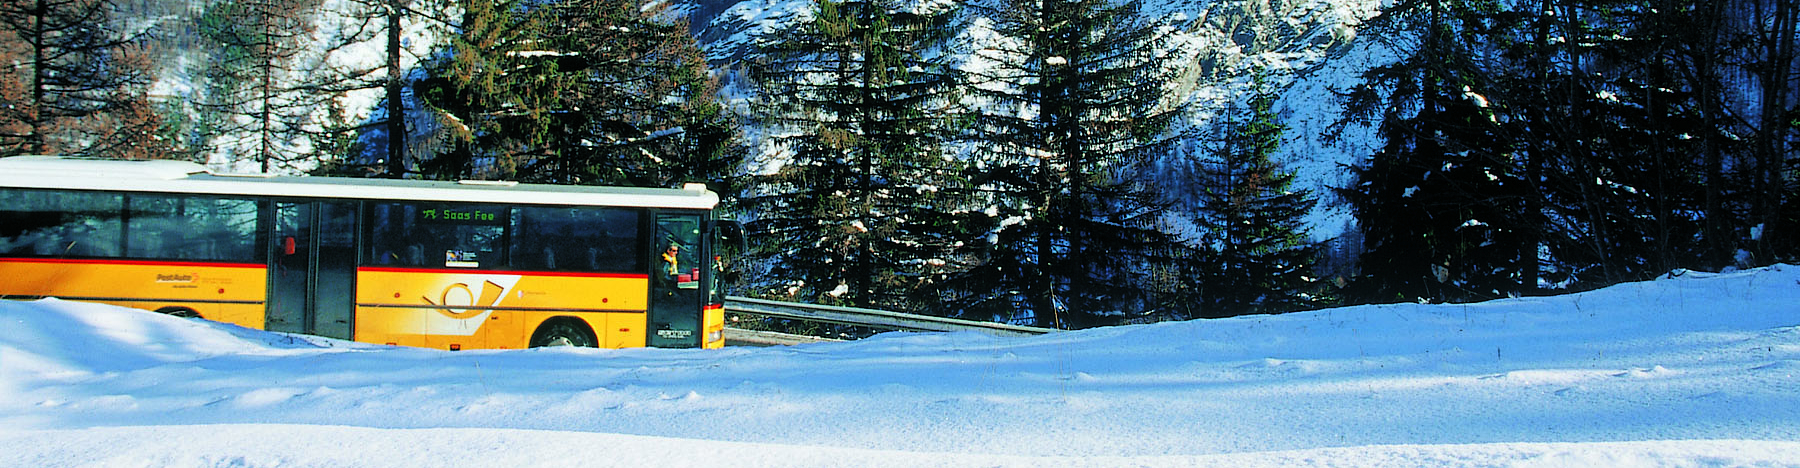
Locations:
{"points": [[871, 317], [741, 337]]}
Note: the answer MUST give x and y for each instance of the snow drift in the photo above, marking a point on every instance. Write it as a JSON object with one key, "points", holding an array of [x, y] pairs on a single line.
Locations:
{"points": [[1690, 369]]}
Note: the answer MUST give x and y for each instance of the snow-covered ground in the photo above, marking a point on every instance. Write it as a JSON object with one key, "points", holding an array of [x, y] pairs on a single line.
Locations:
{"points": [[1698, 369]]}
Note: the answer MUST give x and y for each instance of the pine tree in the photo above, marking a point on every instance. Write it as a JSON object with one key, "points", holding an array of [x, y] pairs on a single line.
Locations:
{"points": [[1255, 220], [865, 208], [75, 69], [1442, 205], [1621, 143], [643, 109], [613, 93], [1074, 107], [491, 89]]}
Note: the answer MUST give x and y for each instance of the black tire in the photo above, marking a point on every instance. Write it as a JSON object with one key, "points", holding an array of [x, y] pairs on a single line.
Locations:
{"points": [[182, 312], [563, 332]]}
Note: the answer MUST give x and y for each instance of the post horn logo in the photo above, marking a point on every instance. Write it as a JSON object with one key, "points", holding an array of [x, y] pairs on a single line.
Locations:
{"points": [[458, 299]]}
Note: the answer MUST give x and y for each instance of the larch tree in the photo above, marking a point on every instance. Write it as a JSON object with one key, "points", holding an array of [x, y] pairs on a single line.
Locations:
{"points": [[76, 83], [270, 91], [258, 116], [15, 118]]}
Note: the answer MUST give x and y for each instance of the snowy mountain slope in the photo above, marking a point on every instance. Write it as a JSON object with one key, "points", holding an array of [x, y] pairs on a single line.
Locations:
{"points": [[1690, 369]]}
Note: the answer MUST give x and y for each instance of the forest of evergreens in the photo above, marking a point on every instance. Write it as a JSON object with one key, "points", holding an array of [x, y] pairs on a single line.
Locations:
{"points": [[1527, 147]]}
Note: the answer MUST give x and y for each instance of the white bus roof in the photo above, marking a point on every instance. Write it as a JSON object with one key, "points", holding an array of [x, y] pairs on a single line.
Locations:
{"points": [[50, 172]]}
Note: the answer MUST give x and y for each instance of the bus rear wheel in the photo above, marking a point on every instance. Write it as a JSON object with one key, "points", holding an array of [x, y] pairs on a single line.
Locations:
{"points": [[563, 331]]}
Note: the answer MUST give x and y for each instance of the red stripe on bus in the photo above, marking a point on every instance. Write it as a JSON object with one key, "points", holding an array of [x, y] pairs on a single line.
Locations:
{"points": [[110, 261], [471, 271]]}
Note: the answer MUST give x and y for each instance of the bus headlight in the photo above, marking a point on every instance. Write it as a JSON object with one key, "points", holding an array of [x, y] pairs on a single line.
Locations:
{"points": [[715, 335]]}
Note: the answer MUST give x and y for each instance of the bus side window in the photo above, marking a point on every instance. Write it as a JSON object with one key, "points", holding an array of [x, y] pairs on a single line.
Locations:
{"points": [[575, 239], [393, 237], [60, 223], [94, 238], [192, 228], [436, 235], [25, 224]]}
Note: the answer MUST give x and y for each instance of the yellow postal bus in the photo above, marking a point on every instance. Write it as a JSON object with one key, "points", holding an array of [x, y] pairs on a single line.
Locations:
{"points": [[446, 265]]}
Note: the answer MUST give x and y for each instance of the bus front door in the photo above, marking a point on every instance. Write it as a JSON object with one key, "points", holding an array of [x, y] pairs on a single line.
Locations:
{"points": [[313, 269], [675, 293]]}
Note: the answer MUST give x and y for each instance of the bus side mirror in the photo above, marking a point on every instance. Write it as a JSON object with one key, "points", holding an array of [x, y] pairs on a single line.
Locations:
{"points": [[732, 232], [731, 245]]}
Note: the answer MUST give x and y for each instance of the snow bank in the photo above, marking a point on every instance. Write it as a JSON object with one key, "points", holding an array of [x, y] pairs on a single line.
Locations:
{"points": [[337, 446], [1697, 369], [57, 339]]}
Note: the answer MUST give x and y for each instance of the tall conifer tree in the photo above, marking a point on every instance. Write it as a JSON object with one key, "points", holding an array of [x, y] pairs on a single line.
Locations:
{"points": [[1074, 108], [643, 107], [614, 93], [864, 209], [15, 120], [1255, 220], [491, 89], [1442, 204]]}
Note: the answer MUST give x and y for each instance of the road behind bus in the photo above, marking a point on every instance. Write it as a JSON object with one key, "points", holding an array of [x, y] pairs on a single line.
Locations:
{"points": [[1698, 369]]}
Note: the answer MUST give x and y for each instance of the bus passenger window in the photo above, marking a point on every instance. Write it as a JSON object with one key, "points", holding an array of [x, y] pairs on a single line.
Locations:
{"points": [[575, 239], [192, 228], [436, 235], [58, 223]]}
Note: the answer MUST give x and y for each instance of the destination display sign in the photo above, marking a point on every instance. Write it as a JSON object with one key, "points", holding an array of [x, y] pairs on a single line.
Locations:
{"points": [[468, 215]]}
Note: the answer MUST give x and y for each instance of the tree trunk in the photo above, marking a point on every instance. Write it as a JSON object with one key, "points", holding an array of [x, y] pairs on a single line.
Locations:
{"points": [[396, 110]]}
